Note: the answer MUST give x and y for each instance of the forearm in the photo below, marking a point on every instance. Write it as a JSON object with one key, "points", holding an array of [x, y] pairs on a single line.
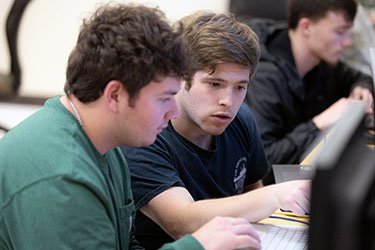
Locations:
{"points": [[182, 217], [254, 206]]}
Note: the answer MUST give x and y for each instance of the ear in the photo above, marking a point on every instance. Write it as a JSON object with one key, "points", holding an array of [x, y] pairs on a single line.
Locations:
{"points": [[304, 25], [114, 95]]}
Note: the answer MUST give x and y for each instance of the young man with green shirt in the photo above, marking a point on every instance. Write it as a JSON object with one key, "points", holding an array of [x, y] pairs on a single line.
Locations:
{"points": [[63, 182]]}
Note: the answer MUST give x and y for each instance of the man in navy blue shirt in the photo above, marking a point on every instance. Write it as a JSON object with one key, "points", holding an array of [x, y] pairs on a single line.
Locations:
{"points": [[206, 162]]}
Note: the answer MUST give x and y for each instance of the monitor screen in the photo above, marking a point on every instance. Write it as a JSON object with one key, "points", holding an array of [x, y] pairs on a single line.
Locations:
{"points": [[342, 214]]}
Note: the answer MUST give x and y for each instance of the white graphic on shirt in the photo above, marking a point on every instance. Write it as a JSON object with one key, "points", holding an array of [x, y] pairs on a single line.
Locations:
{"points": [[130, 223], [239, 175]]}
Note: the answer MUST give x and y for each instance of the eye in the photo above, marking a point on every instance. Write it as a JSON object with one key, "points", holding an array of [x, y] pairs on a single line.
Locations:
{"points": [[241, 87], [214, 84], [341, 32], [165, 100]]}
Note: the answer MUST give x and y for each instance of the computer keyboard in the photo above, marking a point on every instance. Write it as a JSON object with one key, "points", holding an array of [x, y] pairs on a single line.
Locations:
{"points": [[284, 237]]}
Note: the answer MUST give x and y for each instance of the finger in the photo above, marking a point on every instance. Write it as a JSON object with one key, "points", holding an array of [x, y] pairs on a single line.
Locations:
{"points": [[246, 230], [367, 100], [355, 94], [305, 186], [246, 241], [304, 203], [304, 199], [237, 221], [366, 97], [370, 110], [297, 209], [242, 226], [370, 101]]}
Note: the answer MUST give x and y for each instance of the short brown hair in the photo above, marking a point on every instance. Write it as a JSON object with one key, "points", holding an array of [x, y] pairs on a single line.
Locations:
{"points": [[317, 9], [217, 38], [133, 44]]}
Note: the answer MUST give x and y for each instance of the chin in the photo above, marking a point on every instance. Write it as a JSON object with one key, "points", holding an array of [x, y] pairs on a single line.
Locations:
{"points": [[332, 61], [141, 143], [149, 142], [216, 132]]}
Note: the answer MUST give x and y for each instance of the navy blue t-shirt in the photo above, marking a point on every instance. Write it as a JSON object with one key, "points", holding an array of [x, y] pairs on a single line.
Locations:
{"points": [[238, 159]]}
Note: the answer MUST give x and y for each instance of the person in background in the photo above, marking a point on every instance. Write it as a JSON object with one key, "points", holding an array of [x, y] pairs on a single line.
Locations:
{"points": [[362, 35], [209, 161], [64, 182], [301, 88]]}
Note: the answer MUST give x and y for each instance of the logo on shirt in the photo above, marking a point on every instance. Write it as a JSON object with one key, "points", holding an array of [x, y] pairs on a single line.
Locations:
{"points": [[239, 175], [130, 223]]}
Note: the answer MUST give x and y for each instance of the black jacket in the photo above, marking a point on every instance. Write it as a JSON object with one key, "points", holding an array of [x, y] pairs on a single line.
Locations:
{"points": [[283, 103]]}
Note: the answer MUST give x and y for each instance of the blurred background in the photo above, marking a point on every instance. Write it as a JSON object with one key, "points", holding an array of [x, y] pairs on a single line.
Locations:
{"points": [[48, 30]]}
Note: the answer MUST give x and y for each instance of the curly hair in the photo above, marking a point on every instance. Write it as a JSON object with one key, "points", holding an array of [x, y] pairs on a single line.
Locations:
{"points": [[133, 44], [217, 38], [317, 9]]}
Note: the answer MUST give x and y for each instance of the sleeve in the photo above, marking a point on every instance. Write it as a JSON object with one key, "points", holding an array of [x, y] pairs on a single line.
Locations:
{"points": [[152, 171], [266, 97], [59, 214], [187, 242]]}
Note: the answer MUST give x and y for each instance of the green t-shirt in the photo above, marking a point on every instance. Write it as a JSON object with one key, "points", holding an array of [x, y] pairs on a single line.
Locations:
{"points": [[58, 192]]}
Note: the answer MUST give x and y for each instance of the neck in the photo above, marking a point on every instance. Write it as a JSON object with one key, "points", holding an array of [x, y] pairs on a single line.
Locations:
{"points": [[93, 122], [190, 133], [305, 61]]}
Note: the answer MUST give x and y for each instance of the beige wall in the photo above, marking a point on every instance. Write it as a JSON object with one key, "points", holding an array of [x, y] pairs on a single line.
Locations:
{"points": [[48, 32]]}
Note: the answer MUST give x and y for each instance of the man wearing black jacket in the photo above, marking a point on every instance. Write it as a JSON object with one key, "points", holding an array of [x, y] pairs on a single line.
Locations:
{"points": [[300, 87]]}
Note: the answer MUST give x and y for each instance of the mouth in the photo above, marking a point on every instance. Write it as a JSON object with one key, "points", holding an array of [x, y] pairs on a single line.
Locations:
{"points": [[223, 116]]}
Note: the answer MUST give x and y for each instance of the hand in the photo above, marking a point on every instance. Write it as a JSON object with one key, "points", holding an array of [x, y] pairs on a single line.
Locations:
{"points": [[359, 93], [227, 233], [294, 196], [331, 114]]}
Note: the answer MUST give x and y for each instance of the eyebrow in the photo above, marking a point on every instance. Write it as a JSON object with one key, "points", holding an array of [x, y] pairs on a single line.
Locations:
{"points": [[222, 80], [169, 92], [345, 26]]}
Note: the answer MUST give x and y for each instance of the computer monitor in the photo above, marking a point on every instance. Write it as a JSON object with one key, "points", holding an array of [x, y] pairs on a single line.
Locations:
{"points": [[342, 214]]}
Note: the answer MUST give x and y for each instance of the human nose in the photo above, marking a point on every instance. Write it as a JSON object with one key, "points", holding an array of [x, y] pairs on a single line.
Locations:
{"points": [[347, 41], [173, 111], [226, 99]]}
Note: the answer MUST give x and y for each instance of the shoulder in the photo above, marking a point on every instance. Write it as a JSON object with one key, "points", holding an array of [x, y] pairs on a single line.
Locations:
{"points": [[59, 198], [245, 114], [274, 71], [272, 76], [245, 120], [163, 148], [265, 28], [271, 81]]}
